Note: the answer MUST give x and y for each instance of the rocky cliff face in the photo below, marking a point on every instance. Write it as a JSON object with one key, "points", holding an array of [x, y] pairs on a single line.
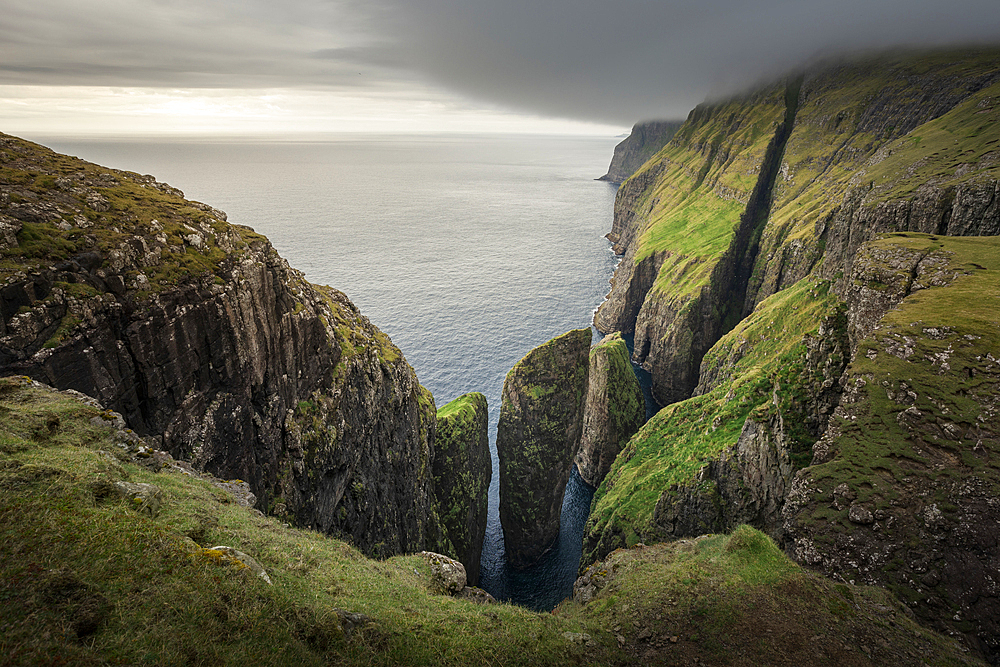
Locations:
{"points": [[775, 432], [541, 419], [208, 343], [613, 409], [462, 473], [643, 142], [901, 491]]}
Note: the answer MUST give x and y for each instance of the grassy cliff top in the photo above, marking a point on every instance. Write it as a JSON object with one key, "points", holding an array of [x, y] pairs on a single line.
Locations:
{"points": [[464, 406], [65, 207]]}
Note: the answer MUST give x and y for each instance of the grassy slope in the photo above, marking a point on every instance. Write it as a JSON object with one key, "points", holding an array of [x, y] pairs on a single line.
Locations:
{"points": [[738, 600], [672, 447], [137, 207], [86, 580], [710, 170], [828, 153], [825, 154], [64, 554]]}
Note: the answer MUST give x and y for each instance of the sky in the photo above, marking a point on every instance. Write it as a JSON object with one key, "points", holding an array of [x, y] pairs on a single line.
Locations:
{"points": [[79, 67]]}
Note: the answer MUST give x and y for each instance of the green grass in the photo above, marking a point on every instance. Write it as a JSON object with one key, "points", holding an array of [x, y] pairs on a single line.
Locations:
{"points": [[874, 445], [86, 580], [692, 210], [765, 351], [738, 600], [90, 581], [828, 153]]}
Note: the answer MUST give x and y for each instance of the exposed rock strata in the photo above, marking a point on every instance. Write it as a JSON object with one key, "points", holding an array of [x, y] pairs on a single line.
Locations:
{"points": [[614, 408], [541, 420], [462, 472], [209, 343]]}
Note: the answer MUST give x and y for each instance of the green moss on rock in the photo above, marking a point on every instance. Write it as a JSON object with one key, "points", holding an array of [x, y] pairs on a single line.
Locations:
{"points": [[462, 472], [614, 410], [541, 419]]}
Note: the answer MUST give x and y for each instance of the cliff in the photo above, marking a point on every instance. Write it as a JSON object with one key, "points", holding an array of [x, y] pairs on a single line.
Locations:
{"points": [[765, 251], [901, 488], [643, 142], [613, 408], [212, 347], [541, 419], [462, 472]]}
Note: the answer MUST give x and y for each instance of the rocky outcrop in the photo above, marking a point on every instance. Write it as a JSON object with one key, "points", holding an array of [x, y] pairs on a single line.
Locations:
{"points": [[642, 143], [614, 408], [213, 348], [462, 472], [541, 420], [898, 490]]}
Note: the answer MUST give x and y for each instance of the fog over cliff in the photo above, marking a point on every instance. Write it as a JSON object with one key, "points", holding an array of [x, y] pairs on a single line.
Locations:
{"points": [[596, 61]]}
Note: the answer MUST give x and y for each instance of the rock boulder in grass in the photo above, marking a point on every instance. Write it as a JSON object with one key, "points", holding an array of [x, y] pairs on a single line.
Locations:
{"points": [[462, 472], [447, 574], [541, 420], [237, 559], [614, 408]]}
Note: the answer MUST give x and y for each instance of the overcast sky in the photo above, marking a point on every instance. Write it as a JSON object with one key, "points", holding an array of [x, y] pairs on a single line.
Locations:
{"points": [[188, 66]]}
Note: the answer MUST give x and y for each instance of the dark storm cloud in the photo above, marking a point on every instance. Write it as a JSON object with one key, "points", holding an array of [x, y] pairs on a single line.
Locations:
{"points": [[633, 58], [611, 61]]}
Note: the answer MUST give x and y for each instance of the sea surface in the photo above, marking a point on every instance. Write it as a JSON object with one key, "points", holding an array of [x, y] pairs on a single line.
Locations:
{"points": [[467, 250]]}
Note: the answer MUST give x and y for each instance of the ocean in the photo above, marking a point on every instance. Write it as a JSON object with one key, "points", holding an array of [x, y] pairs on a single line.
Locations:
{"points": [[467, 250]]}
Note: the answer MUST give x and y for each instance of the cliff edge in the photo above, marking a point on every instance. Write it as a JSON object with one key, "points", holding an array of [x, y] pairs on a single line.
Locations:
{"points": [[212, 347]]}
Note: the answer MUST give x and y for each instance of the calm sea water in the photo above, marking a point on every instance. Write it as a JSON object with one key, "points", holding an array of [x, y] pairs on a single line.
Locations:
{"points": [[467, 250]]}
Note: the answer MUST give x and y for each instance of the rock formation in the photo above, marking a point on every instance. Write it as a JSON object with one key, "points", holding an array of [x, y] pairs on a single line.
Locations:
{"points": [[211, 346], [541, 419], [462, 472], [614, 408], [642, 143], [805, 272]]}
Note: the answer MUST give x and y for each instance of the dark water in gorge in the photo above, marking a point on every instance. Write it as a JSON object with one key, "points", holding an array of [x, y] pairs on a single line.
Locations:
{"points": [[467, 250]]}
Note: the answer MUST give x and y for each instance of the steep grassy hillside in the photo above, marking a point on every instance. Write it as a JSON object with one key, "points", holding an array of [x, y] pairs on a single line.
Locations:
{"points": [[771, 368]]}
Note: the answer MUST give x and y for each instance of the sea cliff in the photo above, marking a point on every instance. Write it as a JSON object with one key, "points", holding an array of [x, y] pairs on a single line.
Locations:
{"points": [[213, 348], [777, 252]]}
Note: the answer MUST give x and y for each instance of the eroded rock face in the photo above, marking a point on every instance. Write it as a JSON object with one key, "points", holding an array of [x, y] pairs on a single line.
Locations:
{"points": [[641, 144], [614, 408], [214, 349], [462, 472], [901, 490], [541, 420]]}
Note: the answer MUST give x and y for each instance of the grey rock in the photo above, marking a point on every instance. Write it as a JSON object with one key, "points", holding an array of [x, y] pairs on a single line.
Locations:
{"points": [[447, 574], [238, 558], [144, 498]]}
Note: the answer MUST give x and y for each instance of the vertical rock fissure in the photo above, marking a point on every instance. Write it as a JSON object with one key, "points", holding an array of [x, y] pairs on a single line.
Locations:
{"points": [[746, 245], [731, 277]]}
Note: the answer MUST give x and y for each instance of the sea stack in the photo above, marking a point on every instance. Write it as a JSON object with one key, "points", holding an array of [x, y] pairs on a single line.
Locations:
{"points": [[541, 420], [462, 473], [614, 410]]}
